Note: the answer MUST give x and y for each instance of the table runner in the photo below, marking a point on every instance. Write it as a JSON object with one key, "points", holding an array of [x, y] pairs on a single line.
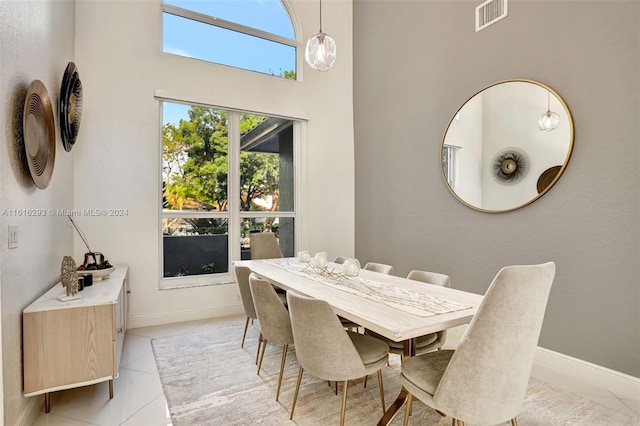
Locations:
{"points": [[406, 300]]}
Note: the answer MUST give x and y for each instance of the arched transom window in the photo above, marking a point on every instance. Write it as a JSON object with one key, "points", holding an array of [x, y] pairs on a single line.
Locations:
{"points": [[255, 35]]}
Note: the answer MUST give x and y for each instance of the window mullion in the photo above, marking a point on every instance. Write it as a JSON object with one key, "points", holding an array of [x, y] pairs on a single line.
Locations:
{"points": [[222, 23], [233, 183]]}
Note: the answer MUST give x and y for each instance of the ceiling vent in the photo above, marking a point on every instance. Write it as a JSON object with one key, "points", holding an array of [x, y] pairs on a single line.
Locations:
{"points": [[490, 12]]}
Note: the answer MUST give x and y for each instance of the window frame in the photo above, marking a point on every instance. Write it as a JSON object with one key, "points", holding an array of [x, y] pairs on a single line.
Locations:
{"points": [[451, 174], [234, 214], [243, 29]]}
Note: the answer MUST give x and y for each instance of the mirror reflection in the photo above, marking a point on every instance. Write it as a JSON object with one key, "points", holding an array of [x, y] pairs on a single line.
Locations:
{"points": [[507, 145]]}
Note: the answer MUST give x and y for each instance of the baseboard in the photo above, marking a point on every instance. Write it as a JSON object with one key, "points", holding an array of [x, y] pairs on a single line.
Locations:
{"points": [[180, 316], [28, 416], [620, 384]]}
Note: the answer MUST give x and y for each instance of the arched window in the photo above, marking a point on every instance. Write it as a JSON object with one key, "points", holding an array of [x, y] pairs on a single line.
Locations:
{"points": [[255, 35]]}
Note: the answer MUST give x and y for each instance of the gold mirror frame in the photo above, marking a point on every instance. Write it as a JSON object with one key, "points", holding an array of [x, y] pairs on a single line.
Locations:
{"points": [[535, 175]]}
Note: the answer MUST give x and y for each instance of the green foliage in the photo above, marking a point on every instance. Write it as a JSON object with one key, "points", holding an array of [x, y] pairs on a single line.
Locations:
{"points": [[195, 163]]}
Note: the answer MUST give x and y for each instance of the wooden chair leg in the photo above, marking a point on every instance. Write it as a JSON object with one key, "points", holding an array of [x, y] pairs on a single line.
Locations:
{"points": [[365, 381], [344, 402], [514, 422], [246, 325], [264, 346], [384, 410], [408, 409], [295, 394], [336, 387], [258, 351], [284, 358]]}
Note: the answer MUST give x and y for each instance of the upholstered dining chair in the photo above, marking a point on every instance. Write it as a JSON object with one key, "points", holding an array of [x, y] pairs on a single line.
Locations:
{"points": [[264, 245], [275, 324], [242, 278], [328, 351], [379, 267], [430, 341], [484, 381]]}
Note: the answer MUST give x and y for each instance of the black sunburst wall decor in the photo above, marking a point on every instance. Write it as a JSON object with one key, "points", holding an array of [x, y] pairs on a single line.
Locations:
{"points": [[510, 166]]}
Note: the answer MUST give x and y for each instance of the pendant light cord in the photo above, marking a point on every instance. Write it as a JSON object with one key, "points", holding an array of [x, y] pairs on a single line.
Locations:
{"points": [[320, 15]]}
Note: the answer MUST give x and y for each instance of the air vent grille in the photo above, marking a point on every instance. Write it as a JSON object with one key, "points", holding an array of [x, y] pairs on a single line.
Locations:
{"points": [[490, 12]]}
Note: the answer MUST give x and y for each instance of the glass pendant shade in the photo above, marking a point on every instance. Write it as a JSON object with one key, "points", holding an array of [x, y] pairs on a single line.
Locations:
{"points": [[548, 121], [320, 53]]}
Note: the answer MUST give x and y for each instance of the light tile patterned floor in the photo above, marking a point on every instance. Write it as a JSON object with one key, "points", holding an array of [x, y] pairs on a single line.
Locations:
{"points": [[139, 401]]}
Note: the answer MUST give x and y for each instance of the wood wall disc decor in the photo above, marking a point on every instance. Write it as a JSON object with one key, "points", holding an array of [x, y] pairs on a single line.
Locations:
{"points": [[547, 177], [38, 129], [70, 106]]}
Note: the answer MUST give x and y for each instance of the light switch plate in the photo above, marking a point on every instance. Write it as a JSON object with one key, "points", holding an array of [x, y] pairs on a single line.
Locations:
{"points": [[13, 236]]}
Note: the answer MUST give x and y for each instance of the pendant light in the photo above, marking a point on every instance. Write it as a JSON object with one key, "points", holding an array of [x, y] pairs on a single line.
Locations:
{"points": [[320, 53], [548, 121]]}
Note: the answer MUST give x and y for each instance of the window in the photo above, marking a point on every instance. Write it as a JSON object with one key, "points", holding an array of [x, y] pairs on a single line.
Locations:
{"points": [[450, 164], [256, 35], [225, 174]]}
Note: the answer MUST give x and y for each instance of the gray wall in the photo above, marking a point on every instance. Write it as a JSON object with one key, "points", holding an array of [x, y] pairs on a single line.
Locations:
{"points": [[415, 63]]}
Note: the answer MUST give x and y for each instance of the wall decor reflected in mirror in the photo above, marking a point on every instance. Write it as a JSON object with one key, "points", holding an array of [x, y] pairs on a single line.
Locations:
{"points": [[507, 145]]}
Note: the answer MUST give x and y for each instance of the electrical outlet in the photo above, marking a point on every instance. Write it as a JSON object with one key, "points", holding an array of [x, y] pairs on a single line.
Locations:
{"points": [[13, 236]]}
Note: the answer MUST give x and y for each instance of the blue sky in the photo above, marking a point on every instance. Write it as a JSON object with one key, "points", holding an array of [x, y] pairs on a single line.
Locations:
{"points": [[193, 39]]}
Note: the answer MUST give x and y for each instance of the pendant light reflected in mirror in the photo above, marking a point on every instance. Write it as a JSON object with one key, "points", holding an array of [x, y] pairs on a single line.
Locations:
{"points": [[549, 120], [320, 53]]}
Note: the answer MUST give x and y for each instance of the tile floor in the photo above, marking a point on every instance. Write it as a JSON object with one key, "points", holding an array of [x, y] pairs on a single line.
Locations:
{"points": [[139, 400]]}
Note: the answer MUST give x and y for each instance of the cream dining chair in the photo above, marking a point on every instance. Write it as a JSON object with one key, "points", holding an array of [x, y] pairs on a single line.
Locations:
{"points": [[427, 342], [264, 245], [273, 317], [329, 352], [242, 278], [484, 381], [340, 259], [379, 267]]}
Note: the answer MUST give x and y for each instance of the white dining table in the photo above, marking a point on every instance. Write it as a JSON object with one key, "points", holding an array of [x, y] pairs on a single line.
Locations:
{"points": [[397, 308]]}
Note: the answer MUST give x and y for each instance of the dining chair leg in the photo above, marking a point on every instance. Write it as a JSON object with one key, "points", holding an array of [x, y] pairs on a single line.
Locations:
{"points": [[344, 402], [365, 381], [408, 409], [384, 410], [295, 394], [514, 422], [246, 325], [284, 358], [336, 387], [258, 351], [264, 346]]}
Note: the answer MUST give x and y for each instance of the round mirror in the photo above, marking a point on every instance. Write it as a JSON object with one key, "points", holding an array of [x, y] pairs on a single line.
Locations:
{"points": [[507, 145]]}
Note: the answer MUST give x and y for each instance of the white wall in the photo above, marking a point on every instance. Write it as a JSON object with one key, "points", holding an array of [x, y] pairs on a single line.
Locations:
{"points": [[515, 125], [36, 42], [118, 53], [466, 133]]}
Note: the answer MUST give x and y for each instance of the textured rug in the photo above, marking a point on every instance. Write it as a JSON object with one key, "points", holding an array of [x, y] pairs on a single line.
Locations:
{"points": [[209, 380]]}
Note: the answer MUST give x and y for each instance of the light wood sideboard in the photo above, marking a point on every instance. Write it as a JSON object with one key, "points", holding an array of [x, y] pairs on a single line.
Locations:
{"points": [[75, 343]]}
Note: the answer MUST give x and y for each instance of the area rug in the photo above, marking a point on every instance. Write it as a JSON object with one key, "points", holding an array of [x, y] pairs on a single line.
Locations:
{"points": [[209, 380]]}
